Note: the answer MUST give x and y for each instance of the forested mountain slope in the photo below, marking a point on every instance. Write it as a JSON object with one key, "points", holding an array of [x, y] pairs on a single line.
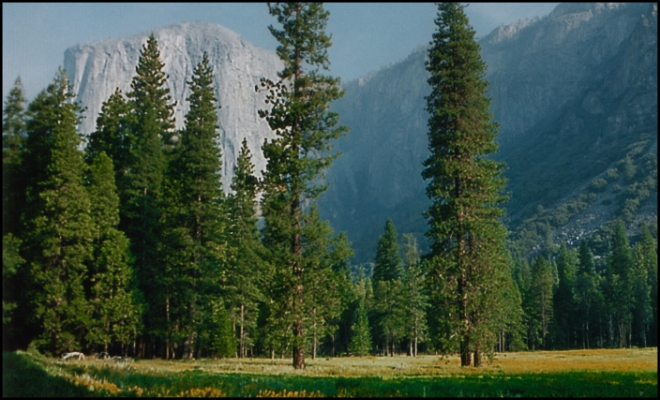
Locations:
{"points": [[575, 94]]}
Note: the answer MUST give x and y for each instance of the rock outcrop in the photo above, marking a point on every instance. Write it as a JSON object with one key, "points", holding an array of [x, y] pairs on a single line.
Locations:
{"points": [[97, 68]]}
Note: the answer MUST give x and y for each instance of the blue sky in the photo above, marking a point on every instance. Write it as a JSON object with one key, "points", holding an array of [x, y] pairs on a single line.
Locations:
{"points": [[365, 36]]}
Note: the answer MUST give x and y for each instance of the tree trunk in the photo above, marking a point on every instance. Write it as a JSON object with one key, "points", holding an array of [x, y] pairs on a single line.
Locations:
{"points": [[477, 355]]}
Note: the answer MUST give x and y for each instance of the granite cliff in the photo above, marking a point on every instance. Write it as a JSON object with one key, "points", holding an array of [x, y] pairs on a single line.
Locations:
{"points": [[575, 94], [97, 68]]}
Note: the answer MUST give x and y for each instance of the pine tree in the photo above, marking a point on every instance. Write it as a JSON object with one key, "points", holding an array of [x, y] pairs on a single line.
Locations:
{"points": [[647, 258], [114, 300], [465, 234], [326, 279], [13, 139], [11, 262], [59, 230], [642, 318], [387, 265], [112, 135], [218, 331], [620, 273], [150, 121], [416, 299], [194, 215], [13, 200], [245, 267], [388, 289], [564, 305], [296, 158], [360, 336], [586, 291], [541, 292]]}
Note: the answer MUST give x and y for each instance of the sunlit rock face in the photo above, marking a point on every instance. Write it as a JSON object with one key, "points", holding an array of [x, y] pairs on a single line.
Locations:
{"points": [[97, 68]]}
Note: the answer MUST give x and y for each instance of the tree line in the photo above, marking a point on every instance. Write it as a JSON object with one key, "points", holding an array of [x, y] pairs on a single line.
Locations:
{"points": [[131, 246]]}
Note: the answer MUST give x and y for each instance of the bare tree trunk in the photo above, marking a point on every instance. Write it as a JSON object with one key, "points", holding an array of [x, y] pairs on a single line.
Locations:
{"points": [[477, 355]]}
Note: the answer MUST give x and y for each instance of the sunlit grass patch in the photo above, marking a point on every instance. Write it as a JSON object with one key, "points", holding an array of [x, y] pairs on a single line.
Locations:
{"points": [[618, 373]]}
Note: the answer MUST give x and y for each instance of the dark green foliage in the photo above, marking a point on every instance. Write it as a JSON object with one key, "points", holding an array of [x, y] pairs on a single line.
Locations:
{"points": [[645, 290], [194, 213], [217, 333], [11, 262], [112, 135], [297, 157], [586, 294], [620, 277], [540, 310], [564, 304], [150, 122], [387, 265], [465, 186], [59, 229], [245, 266], [360, 333], [415, 296], [113, 298], [13, 138]]}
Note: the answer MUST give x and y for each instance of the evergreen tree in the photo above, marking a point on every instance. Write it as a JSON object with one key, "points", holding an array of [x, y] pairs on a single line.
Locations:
{"points": [[644, 252], [586, 292], [245, 267], [150, 121], [620, 267], [326, 279], [416, 300], [465, 234], [387, 265], [59, 230], [541, 310], [13, 201], [564, 305], [360, 335], [114, 300], [647, 259], [11, 262], [295, 159], [388, 295], [112, 135], [218, 331], [194, 215], [13, 138]]}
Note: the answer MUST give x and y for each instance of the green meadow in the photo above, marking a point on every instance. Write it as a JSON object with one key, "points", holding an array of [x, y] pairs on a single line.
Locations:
{"points": [[577, 373]]}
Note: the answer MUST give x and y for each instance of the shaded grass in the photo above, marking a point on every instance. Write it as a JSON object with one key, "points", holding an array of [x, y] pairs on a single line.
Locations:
{"points": [[199, 379]]}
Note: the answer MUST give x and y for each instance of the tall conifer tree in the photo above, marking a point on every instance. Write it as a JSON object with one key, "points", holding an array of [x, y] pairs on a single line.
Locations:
{"points": [[13, 200], [195, 210], [387, 265], [303, 127], [151, 123], [114, 299], [620, 274], [465, 186], [586, 292], [13, 139], [59, 230], [246, 270], [112, 135]]}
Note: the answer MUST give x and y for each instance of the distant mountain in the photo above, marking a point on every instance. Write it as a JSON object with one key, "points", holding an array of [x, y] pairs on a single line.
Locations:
{"points": [[97, 68], [575, 94]]}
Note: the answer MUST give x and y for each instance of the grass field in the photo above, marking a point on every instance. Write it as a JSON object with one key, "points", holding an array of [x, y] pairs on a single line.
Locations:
{"points": [[593, 373]]}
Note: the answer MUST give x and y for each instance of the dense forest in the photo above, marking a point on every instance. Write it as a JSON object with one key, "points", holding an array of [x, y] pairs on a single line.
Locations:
{"points": [[125, 242]]}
